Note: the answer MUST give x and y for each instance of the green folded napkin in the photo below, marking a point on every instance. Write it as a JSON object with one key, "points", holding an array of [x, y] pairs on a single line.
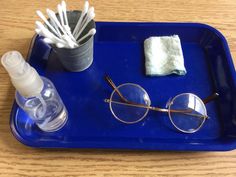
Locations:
{"points": [[164, 56]]}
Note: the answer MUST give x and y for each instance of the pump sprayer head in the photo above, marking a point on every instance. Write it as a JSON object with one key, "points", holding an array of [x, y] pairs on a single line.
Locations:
{"points": [[24, 77]]}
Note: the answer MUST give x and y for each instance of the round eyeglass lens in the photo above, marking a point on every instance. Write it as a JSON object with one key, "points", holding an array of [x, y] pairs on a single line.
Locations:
{"points": [[187, 112], [124, 111]]}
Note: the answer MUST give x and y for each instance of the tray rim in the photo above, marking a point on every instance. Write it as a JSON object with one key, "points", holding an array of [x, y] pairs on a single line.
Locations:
{"points": [[217, 147]]}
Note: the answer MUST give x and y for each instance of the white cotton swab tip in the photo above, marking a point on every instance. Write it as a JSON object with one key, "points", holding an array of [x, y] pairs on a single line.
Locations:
{"points": [[63, 4], [48, 41], [90, 33], [40, 14], [83, 13], [91, 15], [60, 45], [50, 13], [38, 31], [86, 7], [39, 24], [59, 9], [91, 9]]}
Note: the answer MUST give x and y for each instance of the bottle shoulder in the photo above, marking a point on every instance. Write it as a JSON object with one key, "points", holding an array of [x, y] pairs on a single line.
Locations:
{"points": [[47, 82], [47, 92]]}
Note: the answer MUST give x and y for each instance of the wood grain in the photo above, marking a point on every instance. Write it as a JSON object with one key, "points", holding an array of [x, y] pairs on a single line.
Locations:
{"points": [[16, 30]]}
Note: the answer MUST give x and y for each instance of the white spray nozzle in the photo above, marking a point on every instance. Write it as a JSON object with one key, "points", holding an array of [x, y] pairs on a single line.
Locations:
{"points": [[11, 61], [25, 78]]}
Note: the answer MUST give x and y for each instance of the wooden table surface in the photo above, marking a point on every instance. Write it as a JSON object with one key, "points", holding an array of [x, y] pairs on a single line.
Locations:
{"points": [[16, 30]]}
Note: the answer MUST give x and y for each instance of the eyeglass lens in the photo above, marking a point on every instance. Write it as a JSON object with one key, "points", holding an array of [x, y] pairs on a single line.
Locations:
{"points": [[192, 117], [133, 93]]}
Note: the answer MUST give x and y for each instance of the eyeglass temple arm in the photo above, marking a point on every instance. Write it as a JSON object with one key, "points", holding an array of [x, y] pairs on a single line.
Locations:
{"points": [[210, 98], [186, 112], [111, 83]]}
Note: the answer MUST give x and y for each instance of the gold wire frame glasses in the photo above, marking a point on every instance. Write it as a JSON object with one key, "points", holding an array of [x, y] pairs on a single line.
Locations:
{"points": [[130, 103]]}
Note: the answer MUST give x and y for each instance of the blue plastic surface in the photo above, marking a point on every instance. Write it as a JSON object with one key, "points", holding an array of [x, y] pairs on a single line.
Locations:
{"points": [[118, 51]]}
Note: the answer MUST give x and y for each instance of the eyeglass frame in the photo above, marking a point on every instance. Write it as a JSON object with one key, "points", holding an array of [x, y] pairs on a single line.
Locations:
{"points": [[149, 107]]}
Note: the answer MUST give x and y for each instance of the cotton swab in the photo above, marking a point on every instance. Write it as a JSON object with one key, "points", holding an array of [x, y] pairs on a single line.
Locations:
{"points": [[56, 27], [90, 33], [59, 9], [45, 32], [61, 15], [53, 17], [60, 45], [69, 41], [52, 26], [63, 4], [59, 42], [91, 10], [90, 17], [57, 30], [85, 10], [49, 41], [66, 27], [40, 14], [38, 31]]}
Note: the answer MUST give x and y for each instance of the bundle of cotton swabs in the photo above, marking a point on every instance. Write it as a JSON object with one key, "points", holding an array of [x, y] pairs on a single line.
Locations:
{"points": [[58, 31]]}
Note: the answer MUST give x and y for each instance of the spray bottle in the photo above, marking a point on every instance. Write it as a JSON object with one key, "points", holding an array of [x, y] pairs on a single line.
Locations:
{"points": [[36, 95]]}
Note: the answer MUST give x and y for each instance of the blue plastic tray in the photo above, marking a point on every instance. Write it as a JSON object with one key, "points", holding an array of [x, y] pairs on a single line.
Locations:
{"points": [[118, 51]]}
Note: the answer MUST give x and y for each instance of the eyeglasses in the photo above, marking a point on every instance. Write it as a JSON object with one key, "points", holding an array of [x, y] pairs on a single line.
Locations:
{"points": [[130, 103]]}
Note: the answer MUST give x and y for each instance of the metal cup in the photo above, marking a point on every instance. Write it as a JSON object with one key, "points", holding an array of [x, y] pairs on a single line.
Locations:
{"points": [[81, 57]]}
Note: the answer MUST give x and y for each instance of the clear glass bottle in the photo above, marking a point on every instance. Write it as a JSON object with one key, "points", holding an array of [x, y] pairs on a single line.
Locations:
{"points": [[46, 109], [36, 95]]}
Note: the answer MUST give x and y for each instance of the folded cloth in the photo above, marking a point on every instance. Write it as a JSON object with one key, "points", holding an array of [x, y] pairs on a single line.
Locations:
{"points": [[164, 56]]}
